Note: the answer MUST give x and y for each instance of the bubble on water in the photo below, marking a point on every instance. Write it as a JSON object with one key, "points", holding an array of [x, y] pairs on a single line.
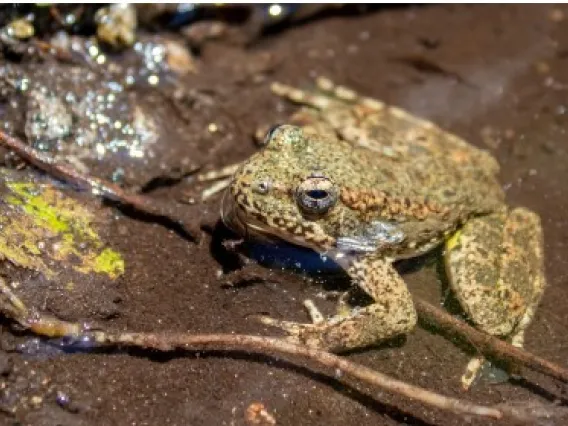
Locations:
{"points": [[62, 398]]}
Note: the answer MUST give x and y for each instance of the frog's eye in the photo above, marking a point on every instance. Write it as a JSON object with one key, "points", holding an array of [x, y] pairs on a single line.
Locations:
{"points": [[262, 186], [316, 195]]}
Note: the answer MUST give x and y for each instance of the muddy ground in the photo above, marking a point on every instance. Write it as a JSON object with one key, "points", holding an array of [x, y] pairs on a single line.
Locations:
{"points": [[495, 75]]}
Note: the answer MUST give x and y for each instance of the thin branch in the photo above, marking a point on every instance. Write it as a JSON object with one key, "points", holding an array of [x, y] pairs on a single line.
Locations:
{"points": [[341, 367], [522, 413], [100, 187], [46, 325], [487, 344]]}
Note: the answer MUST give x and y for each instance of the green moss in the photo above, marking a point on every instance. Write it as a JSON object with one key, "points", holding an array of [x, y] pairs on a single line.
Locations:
{"points": [[38, 214], [22, 258], [109, 262], [36, 206]]}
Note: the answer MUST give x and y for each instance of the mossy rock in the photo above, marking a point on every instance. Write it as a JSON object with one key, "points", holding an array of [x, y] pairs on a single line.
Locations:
{"points": [[44, 229]]}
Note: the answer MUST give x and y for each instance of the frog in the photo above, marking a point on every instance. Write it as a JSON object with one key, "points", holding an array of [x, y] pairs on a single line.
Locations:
{"points": [[368, 184]]}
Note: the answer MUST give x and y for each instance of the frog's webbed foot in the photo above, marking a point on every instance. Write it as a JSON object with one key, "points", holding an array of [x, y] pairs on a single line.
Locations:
{"points": [[358, 119], [303, 333], [495, 267], [391, 314], [346, 110]]}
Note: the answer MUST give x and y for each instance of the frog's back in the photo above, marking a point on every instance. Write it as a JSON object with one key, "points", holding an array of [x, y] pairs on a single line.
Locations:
{"points": [[405, 155], [436, 167]]}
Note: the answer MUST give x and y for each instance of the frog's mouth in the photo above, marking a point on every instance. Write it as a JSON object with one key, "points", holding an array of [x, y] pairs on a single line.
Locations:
{"points": [[230, 214], [238, 221]]}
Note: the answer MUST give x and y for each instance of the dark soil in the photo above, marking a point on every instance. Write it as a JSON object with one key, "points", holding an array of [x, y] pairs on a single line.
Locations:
{"points": [[495, 75]]}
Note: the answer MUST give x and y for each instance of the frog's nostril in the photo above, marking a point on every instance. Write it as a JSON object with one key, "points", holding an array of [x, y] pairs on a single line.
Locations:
{"points": [[262, 187]]}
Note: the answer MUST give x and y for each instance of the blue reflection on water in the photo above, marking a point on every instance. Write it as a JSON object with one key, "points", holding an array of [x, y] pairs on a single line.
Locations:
{"points": [[45, 349], [287, 256]]}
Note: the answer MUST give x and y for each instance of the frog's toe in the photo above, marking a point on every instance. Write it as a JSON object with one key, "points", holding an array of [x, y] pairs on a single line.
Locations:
{"points": [[472, 372], [478, 367], [290, 327], [315, 314], [320, 102], [298, 333]]}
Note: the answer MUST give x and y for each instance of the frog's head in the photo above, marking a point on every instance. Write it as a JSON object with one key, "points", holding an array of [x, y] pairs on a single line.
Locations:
{"points": [[277, 193], [291, 190]]}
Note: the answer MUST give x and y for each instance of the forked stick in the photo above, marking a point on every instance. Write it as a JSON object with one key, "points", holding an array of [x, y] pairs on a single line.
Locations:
{"points": [[46, 325]]}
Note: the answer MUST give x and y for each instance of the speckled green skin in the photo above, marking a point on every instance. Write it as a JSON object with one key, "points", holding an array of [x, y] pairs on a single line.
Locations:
{"points": [[427, 193], [403, 186]]}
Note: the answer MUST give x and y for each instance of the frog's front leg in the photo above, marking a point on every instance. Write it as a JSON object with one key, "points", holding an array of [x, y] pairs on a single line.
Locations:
{"points": [[392, 313], [495, 267]]}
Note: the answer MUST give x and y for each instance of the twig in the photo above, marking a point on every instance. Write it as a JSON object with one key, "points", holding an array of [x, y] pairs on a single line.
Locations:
{"points": [[54, 327], [487, 344], [340, 366], [46, 325], [100, 187]]}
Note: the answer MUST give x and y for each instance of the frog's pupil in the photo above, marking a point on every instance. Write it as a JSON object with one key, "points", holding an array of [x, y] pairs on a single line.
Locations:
{"points": [[317, 194]]}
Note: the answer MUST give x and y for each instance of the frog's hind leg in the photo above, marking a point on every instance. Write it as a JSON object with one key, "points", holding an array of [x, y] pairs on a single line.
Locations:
{"points": [[391, 314], [495, 267], [327, 95]]}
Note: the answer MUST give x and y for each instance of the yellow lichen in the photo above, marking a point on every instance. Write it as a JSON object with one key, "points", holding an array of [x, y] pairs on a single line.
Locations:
{"points": [[453, 241], [109, 261], [39, 222]]}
